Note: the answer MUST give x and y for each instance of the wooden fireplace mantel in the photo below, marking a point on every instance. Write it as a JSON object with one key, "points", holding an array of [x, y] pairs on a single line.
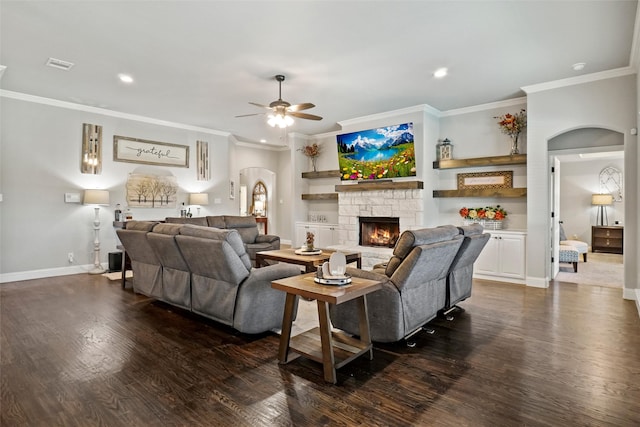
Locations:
{"points": [[376, 186]]}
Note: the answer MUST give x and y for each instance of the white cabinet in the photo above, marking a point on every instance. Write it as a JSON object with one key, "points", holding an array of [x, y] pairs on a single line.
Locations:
{"points": [[325, 234], [503, 258]]}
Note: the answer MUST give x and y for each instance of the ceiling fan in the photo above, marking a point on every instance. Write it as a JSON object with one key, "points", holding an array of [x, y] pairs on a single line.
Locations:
{"points": [[282, 111]]}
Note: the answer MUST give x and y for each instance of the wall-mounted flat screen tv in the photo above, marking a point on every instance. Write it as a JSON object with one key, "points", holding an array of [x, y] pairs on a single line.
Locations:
{"points": [[382, 153]]}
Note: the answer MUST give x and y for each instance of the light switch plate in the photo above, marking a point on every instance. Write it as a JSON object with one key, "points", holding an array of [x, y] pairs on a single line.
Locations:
{"points": [[217, 201], [72, 197]]}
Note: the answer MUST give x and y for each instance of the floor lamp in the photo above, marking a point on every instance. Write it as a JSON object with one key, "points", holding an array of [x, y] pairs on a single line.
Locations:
{"points": [[96, 198], [199, 199], [602, 201]]}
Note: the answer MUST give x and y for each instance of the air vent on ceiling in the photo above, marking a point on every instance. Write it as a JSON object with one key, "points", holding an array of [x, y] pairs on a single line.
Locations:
{"points": [[59, 63]]}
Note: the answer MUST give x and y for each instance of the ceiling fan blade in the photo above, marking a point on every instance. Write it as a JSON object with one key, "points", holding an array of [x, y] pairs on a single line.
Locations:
{"points": [[300, 107], [254, 114], [304, 116], [259, 105]]}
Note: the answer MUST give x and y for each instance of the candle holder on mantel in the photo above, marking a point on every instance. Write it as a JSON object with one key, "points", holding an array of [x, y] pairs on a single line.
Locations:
{"points": [[444, 150]]}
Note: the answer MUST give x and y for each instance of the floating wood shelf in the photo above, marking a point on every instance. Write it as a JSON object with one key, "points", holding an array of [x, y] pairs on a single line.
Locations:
{"points": [[482, 192], [320, 196], [516, 159], [321, 174], [375, 186]]}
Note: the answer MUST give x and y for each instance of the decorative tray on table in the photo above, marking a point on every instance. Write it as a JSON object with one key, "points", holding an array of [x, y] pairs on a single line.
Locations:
{"points": [[306, 252], [333, 280]]}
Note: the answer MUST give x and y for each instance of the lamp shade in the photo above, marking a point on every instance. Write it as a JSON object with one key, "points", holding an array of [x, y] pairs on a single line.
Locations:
{"points": [[201, 199], [96, 197], [601, 199]]}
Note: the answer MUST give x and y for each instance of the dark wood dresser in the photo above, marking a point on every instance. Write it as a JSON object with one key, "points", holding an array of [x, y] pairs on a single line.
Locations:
{"points": [[607, 239]]}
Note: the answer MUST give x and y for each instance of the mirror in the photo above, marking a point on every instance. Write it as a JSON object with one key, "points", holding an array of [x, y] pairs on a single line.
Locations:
{"points": [[249, 178], [259, 199]]}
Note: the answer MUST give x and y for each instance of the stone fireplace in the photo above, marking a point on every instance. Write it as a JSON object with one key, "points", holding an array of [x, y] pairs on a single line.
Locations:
{"points": [[402, 200], [379, 231]]}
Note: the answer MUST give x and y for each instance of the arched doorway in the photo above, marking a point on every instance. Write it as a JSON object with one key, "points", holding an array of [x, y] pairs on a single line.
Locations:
{"points": [[578, 156]]}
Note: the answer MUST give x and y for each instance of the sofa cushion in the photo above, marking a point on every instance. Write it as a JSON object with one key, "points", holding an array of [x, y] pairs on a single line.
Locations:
{"points": [[411, 238], [181, 220], [246, 226], [164, 228], [141, 225], [216, 221], [230, 236]]}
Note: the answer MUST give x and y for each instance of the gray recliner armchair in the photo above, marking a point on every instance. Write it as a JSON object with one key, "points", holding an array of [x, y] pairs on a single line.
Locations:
{"points": [[413, 285]]}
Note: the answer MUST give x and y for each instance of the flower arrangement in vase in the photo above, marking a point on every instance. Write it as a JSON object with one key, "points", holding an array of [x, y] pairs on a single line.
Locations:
{"points": [[309, 241], [513, 125], [312, 151], [489, 217]]}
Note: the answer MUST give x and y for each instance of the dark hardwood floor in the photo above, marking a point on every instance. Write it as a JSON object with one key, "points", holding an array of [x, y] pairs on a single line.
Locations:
{"points": [[80, 351]]}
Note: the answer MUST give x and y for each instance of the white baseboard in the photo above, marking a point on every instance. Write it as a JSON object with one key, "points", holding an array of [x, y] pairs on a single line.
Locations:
{"points": [[499, 279], [537, 282], [47, 272]]}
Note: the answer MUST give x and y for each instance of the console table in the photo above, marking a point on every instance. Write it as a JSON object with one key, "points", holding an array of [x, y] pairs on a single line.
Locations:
{"points": [[608, 239]]}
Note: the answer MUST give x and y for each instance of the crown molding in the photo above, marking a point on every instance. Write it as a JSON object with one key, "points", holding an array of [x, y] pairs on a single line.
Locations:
{"points": [[586, 78], [424, 108], [105, 112], [484, 107]]}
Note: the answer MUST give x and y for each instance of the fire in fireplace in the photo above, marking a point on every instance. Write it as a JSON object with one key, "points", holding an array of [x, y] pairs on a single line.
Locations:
{"points": [[379, 231]]}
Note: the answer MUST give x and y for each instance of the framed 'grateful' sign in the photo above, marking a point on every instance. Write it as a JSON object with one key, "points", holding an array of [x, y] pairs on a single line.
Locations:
{"points": [[134, 150]]}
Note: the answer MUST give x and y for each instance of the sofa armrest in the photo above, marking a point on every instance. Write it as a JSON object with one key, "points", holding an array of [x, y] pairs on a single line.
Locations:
{"points": [[267, 238], [274, 272]]}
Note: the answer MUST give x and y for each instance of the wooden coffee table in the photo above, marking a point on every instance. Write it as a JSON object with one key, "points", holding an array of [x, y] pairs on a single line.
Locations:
{"points": [[331, 348], [310, 262]]}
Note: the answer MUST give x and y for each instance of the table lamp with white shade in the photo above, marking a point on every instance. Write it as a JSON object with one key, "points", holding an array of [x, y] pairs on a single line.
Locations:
{"points": [[199, 199], [96, 198], [602, 201]]}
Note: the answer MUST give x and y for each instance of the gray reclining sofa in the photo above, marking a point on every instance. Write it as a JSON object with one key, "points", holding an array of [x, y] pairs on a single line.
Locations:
{"points": [[206, 270], [430, 271]]}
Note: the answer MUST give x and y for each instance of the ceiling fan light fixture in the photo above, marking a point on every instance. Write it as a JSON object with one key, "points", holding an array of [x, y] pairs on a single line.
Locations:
{"points": [[280, 120]]}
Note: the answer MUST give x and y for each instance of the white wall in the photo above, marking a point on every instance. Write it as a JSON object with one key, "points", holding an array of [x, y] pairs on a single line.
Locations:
{"points": [[475, 133], [40, 154], [578, 181], [609, 104]]}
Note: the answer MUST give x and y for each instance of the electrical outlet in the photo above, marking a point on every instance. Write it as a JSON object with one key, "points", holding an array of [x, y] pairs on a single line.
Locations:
{"points": [[70, 256]]}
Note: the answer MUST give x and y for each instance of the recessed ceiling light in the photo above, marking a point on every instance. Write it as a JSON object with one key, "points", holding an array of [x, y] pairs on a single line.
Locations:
{"points": [[578, 66], [125, 78], [263, 140], [59, 64], [440, 73]]}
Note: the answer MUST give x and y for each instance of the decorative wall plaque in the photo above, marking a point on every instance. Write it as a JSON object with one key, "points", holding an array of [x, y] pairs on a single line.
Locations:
{"points": [[478, 180], [136, 150]]}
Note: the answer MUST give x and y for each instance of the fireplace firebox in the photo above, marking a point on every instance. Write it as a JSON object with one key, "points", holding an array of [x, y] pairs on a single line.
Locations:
{"points": [[379, 231]]}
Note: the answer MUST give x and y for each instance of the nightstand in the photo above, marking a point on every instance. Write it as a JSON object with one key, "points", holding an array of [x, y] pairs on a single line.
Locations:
{"points": [[607, 239]]}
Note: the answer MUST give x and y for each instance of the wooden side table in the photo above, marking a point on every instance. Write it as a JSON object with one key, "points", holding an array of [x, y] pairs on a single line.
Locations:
{"points": [[262, 220], [310, 262], [331, 348]]}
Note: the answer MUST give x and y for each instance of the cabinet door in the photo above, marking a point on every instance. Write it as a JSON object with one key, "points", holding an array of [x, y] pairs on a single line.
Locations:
{"points": [[327, 236], [512, 259], [301, 234], [488, 261]]}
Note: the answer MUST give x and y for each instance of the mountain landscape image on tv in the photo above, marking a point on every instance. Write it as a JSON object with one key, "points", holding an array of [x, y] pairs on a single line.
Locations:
{"points": [[382, 153]]}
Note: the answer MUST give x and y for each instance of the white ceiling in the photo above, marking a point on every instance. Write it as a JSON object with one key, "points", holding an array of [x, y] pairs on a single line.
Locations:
{"points": [[200, 63]]}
